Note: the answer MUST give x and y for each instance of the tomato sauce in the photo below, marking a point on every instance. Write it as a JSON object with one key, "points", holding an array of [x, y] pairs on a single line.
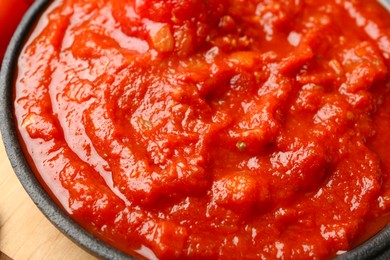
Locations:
{"points": [[212, 129]]}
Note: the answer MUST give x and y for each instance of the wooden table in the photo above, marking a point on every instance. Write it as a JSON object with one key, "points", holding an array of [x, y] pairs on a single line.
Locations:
{"points": [[25, 233]]}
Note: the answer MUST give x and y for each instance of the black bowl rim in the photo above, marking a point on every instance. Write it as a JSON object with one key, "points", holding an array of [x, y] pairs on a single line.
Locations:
{"points": [[378, 247], [16, 156]]}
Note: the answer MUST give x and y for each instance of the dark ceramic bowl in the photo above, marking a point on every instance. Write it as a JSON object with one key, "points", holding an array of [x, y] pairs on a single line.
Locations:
{"points": [[15, 154], [377, 247]]}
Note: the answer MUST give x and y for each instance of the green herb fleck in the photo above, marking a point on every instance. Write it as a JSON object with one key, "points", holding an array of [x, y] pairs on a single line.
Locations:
{"points": [[241, 146]]}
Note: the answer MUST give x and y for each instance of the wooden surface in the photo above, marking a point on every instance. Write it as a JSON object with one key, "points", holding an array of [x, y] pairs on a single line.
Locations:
{"points": [[25, 233]]}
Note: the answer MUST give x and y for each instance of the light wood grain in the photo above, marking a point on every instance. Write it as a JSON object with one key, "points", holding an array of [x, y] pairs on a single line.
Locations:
{"points": [[25, 233]]}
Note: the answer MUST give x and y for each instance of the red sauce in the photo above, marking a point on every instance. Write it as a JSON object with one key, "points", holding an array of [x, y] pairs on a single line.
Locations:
{"points": [[205, 129]]}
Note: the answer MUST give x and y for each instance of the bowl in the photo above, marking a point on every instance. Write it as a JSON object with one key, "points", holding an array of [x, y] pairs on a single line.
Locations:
{"points": [[15, 154], [378, 247]]}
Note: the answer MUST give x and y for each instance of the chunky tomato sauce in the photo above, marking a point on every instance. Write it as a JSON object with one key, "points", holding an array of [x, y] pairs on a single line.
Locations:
{"points": [[212, 128]]}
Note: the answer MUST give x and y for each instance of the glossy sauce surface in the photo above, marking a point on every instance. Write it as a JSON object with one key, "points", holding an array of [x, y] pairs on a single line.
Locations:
{"points": [[212, 129]]}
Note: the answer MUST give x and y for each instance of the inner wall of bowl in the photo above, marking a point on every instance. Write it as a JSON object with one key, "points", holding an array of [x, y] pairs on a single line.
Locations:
{"points": [[385, 3], [377, 247]]}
